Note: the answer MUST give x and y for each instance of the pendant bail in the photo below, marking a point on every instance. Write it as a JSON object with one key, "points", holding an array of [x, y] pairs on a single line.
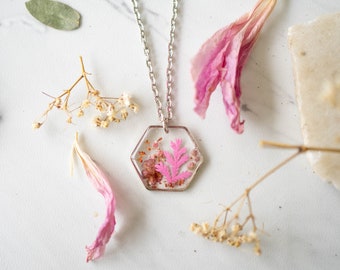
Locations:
{"points": [[165, 125]]}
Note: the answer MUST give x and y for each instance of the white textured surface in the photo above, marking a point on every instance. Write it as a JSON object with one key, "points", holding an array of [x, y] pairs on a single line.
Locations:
{"points": [[315, 54], [47, 216]]}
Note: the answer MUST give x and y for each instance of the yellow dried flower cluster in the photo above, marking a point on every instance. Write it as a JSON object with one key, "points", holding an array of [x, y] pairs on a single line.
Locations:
{"points": [[111, 110], [231, 231]]}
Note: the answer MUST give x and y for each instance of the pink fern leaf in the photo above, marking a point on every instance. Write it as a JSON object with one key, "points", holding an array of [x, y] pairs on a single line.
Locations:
{"points": [[182, 176], [177, 148], [169, 158], [175, 161], [164, 170], [179, 157], [175, 167]]}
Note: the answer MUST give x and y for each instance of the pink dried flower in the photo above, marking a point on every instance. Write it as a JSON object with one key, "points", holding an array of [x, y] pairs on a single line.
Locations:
{"points": [[101, 182], [191, 165], [149, 171], [221, 59]]}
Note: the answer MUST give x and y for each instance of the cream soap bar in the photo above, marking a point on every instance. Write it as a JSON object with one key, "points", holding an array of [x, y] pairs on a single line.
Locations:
{"points": [[315, 51]]}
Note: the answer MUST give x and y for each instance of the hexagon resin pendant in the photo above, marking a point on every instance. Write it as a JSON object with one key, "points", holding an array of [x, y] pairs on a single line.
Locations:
{"points": [[166, 161]]}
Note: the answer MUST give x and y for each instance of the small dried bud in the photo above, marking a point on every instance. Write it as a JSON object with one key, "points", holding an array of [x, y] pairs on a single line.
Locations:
{"points": [[191, 165], [221, 235], [94, 93], [111, 118], [134, 107], [252, 236], [237, 243], [97, 121], [243, 238], [110, 109], [194, 152], [69, 120], [205, 228], [124, 114], [85, 104], [194, 227], [99, 106], [80, 113], [104, 124], [257, 249], [236, 228], [57, 102], [36, 125], [124, 100]]}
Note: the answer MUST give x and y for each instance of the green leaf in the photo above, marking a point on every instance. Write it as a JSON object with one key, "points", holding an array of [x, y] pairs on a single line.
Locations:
{"points": [[54, 14]]}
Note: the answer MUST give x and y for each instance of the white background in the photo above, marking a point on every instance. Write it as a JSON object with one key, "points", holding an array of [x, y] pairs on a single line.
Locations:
{"points": [[47, 216]]}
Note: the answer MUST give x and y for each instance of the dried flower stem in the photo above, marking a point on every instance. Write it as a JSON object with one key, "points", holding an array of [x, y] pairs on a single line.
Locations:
{"points": [[110, 109], [230, 230], [303, 148]]}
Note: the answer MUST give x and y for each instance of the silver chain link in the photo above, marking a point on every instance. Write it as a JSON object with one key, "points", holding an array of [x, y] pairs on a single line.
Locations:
{"points": [[169, 71]]}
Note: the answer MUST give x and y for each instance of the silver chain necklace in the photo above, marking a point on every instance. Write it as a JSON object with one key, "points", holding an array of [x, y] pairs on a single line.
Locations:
{"points": [[163, 119], [166, 157]]}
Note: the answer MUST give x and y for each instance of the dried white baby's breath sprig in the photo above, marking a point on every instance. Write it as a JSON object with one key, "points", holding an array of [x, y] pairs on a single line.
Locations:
{"points": [[228, 227], [110, 109]]}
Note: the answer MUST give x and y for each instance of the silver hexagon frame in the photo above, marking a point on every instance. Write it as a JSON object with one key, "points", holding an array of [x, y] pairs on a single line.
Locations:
{"points": [[166, 161]]}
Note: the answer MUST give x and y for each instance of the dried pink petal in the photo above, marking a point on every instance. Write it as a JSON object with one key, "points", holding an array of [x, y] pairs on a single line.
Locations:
{"points": [[221, 59], [101, 182]]}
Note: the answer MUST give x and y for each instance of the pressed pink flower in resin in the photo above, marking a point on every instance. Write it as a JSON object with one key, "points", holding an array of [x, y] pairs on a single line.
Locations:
{"points": [[150, 173], [166, 161]]}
